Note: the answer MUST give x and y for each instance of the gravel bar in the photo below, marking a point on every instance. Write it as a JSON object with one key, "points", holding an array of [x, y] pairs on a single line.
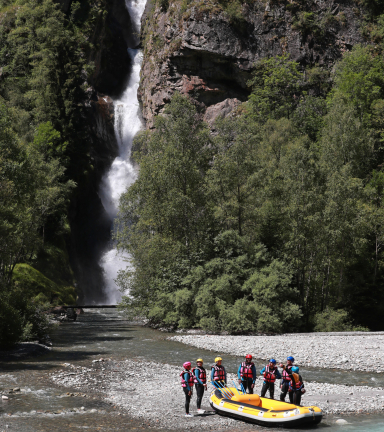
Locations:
{"points": [[347, 351], [152, 392]]}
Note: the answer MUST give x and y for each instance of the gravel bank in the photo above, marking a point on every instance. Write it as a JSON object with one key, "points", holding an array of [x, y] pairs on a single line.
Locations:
{"points": [[358, 352], [159, 398]]}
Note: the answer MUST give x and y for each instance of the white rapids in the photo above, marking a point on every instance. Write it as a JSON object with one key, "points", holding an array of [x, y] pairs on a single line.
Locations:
{"points": [[122, 172]]}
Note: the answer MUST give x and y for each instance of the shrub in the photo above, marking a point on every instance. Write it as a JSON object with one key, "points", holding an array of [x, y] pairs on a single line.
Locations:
{"points": [[20, 319], [332, 320]]}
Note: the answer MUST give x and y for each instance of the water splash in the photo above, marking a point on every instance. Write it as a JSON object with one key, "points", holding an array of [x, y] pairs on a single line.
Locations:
{"points": [[122, 172]]}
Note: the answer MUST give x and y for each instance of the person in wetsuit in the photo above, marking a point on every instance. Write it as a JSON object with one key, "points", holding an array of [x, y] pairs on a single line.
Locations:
{"points": [[200, 378], [270, 373], [284, 385], [187, 384], [218, 373], [296, 385], [247, 374]]}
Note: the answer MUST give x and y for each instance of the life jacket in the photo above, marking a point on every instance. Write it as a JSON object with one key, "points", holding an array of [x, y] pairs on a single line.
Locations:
{"points": [[246, 370], [270, 374], [202, 375], [219, 374], [285, 374], [298, 382], [190, 379]]}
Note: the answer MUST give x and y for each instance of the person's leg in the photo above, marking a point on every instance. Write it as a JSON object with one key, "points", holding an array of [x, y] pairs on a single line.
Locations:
{"points": [[297, 397], [187, 400], [291, 394], [199, 394], [250, 389], [245, 385], [272, 390], [284, 390], [264, 389]]}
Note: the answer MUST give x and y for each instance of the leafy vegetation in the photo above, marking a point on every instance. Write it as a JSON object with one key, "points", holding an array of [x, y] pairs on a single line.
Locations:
{"points": [[44, 153], [273, 224]]}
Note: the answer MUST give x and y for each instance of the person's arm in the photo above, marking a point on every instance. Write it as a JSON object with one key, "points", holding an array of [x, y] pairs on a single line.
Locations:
{"points": [[262, 371], [239, 372], [278, 374], [197, 374], [212, 374], [225, 375], [186, 378], [253, 374]]}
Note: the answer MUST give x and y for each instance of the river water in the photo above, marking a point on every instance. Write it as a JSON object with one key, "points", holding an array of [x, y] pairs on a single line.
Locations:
{"points": [[42, 406]]}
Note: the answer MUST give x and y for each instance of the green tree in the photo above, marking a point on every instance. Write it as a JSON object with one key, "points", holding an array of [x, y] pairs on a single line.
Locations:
{"points": [[276, 88]]}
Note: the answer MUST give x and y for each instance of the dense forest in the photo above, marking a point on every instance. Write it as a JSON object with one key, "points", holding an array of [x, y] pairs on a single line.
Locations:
{"points": [[270, 221], [275, 221], [44, 154]]}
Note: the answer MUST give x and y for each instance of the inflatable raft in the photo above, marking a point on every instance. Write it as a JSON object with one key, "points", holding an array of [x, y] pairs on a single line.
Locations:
{"points": [[263, 411]]}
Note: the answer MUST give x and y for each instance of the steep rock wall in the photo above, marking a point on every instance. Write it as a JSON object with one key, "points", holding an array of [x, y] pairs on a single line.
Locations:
{"points": [[209, 53]]}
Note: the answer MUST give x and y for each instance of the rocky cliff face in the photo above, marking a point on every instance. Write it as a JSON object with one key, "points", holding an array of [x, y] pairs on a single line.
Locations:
{"points": [[208, 51]]}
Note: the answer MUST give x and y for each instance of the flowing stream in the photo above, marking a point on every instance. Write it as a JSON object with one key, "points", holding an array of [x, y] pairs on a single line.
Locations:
{"points": [[104, 333], [122, 172]]}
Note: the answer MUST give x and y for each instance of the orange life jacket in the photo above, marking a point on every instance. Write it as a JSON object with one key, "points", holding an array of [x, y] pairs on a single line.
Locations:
{"points": [[202, 375], [270, 374], [298, 382], [190, 379], [246, 370], [219, 374]]}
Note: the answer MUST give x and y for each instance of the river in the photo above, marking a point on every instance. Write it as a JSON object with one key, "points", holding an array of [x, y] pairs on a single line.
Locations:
{"points": [[42, 406]]}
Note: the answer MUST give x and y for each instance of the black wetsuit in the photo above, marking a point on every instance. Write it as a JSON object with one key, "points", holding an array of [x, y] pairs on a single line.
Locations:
{"points": [[187, 400]]}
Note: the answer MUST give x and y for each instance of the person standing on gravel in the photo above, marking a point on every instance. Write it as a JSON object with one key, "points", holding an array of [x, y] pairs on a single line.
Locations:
{"points": [[284, 385], [270, 373], [218, 374], [296, 385], [247, 374], [200, 378], [187, 384]]}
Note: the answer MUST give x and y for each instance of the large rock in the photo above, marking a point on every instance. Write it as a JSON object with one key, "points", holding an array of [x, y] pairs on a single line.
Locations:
{"points": [[205, 53]]}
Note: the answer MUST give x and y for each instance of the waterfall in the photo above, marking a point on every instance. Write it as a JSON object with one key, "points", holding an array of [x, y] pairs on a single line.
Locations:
{"points": [[122, 172]]}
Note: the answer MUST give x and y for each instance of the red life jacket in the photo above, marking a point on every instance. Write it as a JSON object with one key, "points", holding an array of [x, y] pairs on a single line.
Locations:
{"points": [[190, 379], [219, 374], [202, 375], [298, 382], [285, 375], [270, 374], [246, 370]]}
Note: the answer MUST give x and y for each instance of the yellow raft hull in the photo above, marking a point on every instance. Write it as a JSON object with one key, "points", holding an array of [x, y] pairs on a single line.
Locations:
{"points": [[264, 411]]}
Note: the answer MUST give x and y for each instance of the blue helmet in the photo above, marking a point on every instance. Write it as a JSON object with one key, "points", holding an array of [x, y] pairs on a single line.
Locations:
{"points": [[295, 369], [291, 358], [272, 361]]}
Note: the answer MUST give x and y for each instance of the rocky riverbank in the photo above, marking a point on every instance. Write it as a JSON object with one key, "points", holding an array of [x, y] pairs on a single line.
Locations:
{"points": [[156, 395], [347, 351]]}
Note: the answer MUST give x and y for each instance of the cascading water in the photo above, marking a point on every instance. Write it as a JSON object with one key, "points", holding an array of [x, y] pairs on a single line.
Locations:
{"points": [[122, 172]]}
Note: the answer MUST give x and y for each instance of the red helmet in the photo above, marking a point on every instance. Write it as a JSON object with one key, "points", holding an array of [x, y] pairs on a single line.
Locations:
{"points": [[248, 356]]}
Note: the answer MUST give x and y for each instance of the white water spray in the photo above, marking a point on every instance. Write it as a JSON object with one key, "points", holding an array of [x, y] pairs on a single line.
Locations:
{"points": [[122, 173]]}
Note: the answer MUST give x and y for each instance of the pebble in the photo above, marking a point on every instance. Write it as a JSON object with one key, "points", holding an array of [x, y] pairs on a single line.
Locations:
{"points": [[348, 351], [159, 397], [4, 397]]}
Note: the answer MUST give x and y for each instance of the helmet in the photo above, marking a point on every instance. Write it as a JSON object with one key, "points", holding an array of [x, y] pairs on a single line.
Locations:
{"points": [[291, 358], [218, 359], [295, 369], [248, 356], [199, 360], [272, 361], [187, 365]]}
